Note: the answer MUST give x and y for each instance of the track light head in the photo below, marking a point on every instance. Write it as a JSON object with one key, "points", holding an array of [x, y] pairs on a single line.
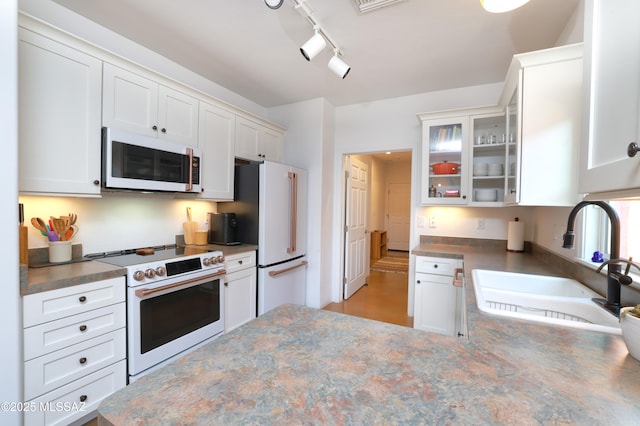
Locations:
{"points": [[313, 46], [274, 4], [500, 6], [338, 66]]}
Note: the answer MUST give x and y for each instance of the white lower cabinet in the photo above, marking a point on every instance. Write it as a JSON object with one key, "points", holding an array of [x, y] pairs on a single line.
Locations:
{"points": [[240, 290], [437, 305], [74, 350]]}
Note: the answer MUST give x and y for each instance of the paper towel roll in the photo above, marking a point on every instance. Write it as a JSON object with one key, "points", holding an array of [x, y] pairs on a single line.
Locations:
{"points": [[515, 236]]}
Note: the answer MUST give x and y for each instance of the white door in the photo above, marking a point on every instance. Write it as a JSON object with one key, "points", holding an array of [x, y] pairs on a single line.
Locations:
{"points": [[356, 219], [398, 208]]}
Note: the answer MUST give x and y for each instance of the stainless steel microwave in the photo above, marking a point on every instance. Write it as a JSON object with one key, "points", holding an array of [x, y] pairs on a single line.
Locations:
{"points": [[138, 162]]}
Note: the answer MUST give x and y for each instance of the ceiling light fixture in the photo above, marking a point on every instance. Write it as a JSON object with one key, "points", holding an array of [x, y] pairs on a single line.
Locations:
{"points": [[315, 44], [500, 6], [338, 66], [274, 4]]}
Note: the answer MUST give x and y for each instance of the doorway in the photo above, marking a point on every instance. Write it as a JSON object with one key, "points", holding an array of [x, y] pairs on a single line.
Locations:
{"points": [[388, 208]]}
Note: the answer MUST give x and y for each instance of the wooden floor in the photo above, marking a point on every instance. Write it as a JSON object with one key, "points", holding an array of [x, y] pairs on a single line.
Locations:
{"points": [[383, 299]]}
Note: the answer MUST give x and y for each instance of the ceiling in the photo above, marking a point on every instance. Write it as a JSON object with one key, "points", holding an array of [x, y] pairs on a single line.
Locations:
{"points": [[408, 47]]}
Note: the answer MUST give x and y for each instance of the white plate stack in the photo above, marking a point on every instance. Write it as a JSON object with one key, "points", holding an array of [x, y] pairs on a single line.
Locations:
{"points": [[480, 169], [496, 169]]}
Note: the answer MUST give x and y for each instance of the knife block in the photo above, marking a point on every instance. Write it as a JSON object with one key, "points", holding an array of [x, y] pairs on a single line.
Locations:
{"points": [[24, 245]]}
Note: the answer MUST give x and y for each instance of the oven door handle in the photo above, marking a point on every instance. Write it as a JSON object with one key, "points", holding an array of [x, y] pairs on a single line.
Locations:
{"points": [[143, 292]]}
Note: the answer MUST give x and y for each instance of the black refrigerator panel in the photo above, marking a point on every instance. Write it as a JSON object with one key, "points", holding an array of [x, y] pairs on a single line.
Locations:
{"points": [[246, 202]]}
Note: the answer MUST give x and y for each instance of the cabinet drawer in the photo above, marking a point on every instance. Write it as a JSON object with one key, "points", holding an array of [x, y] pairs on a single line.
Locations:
{"points": [[52, 305], [52, 336], [77, 399], [237, 262], [50, 371], [436, 265]]}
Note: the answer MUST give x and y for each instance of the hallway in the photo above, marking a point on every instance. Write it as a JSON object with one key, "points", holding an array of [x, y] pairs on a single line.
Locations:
{"points": [[383, 299]]}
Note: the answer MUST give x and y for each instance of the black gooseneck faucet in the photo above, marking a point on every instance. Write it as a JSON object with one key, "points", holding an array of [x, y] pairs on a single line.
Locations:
{"points": [[612, 303]]}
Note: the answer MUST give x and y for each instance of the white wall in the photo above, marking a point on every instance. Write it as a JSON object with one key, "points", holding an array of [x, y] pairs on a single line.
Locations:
{"points": [[118, 220], [309, 145], [10, 311]]}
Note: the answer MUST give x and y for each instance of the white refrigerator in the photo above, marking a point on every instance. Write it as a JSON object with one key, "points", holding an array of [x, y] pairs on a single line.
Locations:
{"points": [[271, 211]]}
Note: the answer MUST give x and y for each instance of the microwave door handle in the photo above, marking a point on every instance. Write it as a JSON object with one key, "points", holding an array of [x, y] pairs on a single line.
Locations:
{"points": [[190, 184]]}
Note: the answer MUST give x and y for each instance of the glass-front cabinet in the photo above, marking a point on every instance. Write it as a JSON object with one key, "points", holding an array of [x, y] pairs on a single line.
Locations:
{"points": [[444, 157], [512, 164], [489, 164]]}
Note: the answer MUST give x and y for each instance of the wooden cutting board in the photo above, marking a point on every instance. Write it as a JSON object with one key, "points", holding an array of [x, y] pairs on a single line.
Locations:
{"points": [[190, 227]]}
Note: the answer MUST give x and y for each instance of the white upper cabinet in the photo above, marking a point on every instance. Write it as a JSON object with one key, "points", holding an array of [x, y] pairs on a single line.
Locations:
{"points": [[445, 147], [216, 140], [257, 142], [137, 104], [612, 96], [546, 88], [59, 117]]}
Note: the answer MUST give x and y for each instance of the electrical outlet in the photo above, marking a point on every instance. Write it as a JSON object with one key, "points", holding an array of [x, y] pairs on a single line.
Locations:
{"points": [[420, 221], [480, 224], [432, 222]]}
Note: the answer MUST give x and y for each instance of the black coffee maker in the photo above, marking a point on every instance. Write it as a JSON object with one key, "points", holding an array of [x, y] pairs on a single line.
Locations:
{"points": [[223, 229]]}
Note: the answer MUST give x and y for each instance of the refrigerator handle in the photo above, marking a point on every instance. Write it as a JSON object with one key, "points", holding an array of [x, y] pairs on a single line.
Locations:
{"points": [[293, 216], [283, 271]]}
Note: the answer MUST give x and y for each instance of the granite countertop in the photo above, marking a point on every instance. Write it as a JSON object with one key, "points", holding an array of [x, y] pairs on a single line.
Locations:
{"points": [[298, 365]]}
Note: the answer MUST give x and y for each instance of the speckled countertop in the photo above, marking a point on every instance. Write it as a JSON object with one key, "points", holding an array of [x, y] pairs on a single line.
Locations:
{"points": [[36, 280], [297, 365]]}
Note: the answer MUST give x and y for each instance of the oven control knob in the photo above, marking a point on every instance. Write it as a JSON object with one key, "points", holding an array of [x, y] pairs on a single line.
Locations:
{"points": [[150, 273], [206, 261], [220, 259], [138, 275], [160, 271]]}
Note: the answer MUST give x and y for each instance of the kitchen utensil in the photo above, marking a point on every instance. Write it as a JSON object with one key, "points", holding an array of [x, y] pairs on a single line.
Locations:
{"points": [[190, 227], [445, 168], [72, 218], [43, 229], [71, 232], [53, 236]]}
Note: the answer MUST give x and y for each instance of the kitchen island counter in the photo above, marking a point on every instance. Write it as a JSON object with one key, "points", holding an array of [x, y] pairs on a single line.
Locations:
{"points": [[297, 365]]}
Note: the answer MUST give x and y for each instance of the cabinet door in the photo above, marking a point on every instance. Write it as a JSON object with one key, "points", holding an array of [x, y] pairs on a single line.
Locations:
{"points": [[612, 67], [444, 151], [551, 117], [257, 142], [512, 163], [271, 144], [435, 304], [59, 117], [247, 140], [216, 140], [130, 101], [239, 298], [177, 116], [488, 159]]}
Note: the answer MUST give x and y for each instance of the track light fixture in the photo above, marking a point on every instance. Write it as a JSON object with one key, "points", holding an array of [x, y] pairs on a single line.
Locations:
{"points": [[274, 4], [338, 66], [319, 41], [313, 46], [500, 6]]}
